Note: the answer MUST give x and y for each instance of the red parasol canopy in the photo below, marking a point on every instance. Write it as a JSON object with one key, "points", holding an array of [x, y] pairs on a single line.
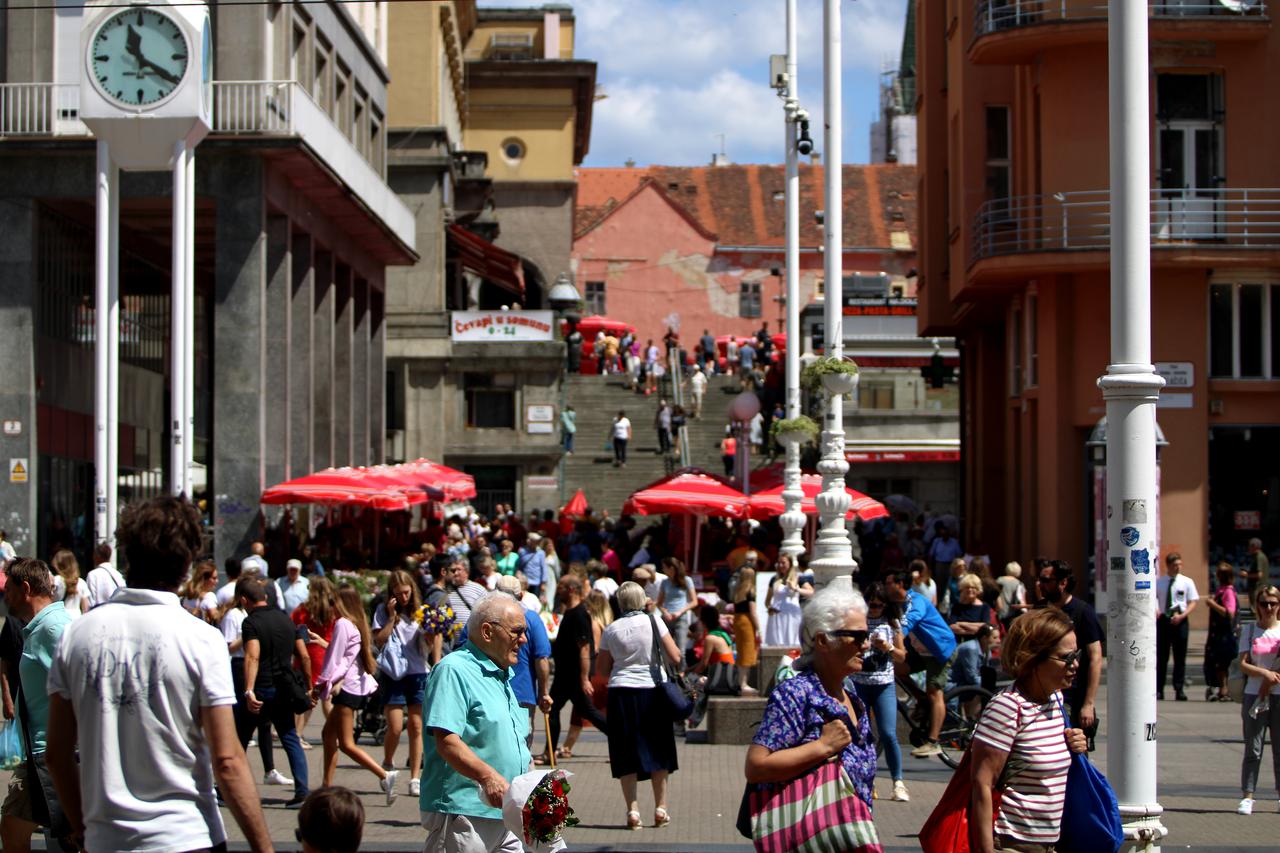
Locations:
{"points": [[689, 491], [448, 483], [767, 502], [340, 486], [576, 506]]}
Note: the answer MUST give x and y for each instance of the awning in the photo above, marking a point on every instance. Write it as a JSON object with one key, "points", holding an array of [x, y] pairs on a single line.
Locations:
{"points": [[902, 454], [486, 260]]}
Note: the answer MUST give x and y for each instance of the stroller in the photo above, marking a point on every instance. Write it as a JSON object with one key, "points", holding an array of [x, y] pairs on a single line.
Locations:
{"points": [[370, 719]]}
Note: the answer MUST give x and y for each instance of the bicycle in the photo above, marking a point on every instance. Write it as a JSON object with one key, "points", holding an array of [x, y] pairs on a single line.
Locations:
{"points": [[964, 705]]}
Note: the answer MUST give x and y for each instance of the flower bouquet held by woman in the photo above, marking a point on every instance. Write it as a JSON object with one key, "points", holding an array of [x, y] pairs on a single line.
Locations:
{"points": [[536, 808], [439, 621]]}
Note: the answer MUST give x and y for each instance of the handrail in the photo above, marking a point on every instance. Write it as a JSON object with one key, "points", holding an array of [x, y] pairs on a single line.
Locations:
{"points": [[675, 369], [1215, 217], [992, 16]]}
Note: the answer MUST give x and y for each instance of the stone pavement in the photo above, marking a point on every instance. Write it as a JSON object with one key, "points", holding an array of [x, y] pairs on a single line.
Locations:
{"points": [[1199, 769]]}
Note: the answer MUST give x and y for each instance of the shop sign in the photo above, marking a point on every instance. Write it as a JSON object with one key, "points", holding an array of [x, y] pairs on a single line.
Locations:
{"points": [[540, 482], [1248, 519], [539, 418], [1177, 374], [501, 327]]}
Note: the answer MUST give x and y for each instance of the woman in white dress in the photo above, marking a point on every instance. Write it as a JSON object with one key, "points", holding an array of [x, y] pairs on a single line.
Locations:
{"points": [[783, 604]]}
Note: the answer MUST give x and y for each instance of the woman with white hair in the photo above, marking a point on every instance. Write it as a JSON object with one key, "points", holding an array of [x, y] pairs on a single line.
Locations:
{"points": [[642, 742], [812, 718]]}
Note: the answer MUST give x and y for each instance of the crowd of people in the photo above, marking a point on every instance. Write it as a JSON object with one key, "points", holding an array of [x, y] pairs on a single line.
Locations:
{"points": [[140, 692]]}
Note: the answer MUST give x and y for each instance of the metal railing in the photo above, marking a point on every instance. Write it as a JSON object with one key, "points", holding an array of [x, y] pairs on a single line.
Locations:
{"points": [[40, 109], [253, 106], [1081, 221], [993, 16]]}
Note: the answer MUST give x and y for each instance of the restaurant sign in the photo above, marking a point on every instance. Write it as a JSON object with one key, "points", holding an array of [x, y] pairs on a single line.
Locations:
{"points": [[501, 326]]}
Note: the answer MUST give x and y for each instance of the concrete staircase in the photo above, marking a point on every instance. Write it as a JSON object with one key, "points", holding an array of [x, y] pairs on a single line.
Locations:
{"points": [[597, 399]]}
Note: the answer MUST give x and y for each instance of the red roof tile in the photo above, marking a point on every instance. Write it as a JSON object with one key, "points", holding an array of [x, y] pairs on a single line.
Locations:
{"points": [[744, 204]]}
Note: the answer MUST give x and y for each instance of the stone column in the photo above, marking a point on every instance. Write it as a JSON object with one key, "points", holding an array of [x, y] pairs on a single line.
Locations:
{"points": [[322, 363], [360, 378], [277, 364], [377, 374], [239, 381], [18, 379], [302, 364], [344, 326]]}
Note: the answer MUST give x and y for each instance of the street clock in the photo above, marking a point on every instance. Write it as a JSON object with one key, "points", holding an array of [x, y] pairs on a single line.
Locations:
{"points": [[139, 57]]}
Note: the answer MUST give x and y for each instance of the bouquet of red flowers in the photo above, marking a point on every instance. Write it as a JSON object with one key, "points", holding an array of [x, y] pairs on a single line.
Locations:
{"points": [[537, 808]]}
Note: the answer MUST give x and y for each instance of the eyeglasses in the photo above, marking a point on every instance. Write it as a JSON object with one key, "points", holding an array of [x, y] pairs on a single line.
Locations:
{"points": [[516, 633], [859, 637], [1070, 659]]}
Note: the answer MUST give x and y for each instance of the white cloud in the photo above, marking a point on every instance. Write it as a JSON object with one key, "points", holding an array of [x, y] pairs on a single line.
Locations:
{"points": [[677, 73]]}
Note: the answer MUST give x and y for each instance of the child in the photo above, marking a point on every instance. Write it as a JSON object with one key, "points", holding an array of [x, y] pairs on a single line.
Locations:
{"points": [[331, 820]]}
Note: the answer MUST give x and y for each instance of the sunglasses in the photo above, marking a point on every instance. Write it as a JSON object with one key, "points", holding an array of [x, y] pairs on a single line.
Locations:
{"points": [[859, 637], [1268, 604], [1070, 659]]}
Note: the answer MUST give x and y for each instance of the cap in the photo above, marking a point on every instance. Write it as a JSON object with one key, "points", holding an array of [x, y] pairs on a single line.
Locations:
{"points": [[535, 537], [249, 566], [294, 564]]}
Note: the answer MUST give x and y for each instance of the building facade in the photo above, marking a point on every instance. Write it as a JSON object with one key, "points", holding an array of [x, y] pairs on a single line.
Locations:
{"points": [[1012, 108], [489, 115], [295, 229]]}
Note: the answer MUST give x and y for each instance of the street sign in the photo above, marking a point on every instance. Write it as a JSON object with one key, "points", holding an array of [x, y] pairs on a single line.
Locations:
{"points": [[18, 470], [13, 427]]}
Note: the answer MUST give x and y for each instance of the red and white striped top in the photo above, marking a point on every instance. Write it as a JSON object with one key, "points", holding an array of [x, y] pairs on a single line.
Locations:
{"points": [[1036, 772]]}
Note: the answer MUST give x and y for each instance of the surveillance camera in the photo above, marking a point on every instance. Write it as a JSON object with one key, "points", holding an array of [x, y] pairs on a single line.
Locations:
{"points": [[820, 217], [804, 145]]}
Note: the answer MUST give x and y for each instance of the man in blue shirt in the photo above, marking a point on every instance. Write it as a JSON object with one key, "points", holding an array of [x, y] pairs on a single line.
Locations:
{"points": [[533, 563], [29, 593], [476, 733], [931, 646]]}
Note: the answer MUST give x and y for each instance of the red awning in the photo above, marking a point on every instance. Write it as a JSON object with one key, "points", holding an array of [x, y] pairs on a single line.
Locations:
{"points": [[488, 261], [767, 502], [689, 491]]}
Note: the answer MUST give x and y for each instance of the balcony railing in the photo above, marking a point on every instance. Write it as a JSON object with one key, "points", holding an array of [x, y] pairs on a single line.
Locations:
{"points": [[40, 109], [993, 16], [1081, 221]]}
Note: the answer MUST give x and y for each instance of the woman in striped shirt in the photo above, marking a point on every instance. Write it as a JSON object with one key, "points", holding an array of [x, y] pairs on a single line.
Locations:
{"points": [[1022, 740]]}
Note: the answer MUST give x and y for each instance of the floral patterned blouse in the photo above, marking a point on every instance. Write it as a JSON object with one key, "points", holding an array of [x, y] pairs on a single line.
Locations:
{"points": [[798, 709]]}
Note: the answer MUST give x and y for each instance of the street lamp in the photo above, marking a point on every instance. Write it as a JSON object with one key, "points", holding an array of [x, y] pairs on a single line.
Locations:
{"points": [[564, 299], [744, 407]]}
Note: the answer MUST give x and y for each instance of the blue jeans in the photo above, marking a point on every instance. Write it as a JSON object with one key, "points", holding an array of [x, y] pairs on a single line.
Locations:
{"points": [[276, 709], [882, 700], [967, 668], [568, 442]]}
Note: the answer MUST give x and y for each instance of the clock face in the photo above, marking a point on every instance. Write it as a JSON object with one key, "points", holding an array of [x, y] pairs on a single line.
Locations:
{"points": [[138, 57]]}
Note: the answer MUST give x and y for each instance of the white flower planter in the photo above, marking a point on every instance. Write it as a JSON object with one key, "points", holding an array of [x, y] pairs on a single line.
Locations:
{"points": [[793, 437], [839, 383]]}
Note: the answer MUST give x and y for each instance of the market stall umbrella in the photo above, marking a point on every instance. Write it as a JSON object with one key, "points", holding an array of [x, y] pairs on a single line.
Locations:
{"points": [[769, 504], [902, 503], [340, 487], [452, 484], [689, 491], [576, 507]]}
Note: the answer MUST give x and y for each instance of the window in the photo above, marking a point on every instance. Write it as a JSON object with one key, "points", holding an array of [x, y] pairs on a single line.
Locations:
{"points": [[321, 89], [299, 67], [875, 395], [749, 299], [595, 297], [377, 142], [491, 400], [1244, 320], [1016, 352], [1033, 342], [998, 174], [341, 111], [890, 486], [513, 150], [356, 129]]}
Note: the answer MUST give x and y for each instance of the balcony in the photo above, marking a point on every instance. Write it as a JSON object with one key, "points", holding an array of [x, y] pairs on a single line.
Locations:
{"points": [[1200, 219], [1013, 30], [249, 108]]}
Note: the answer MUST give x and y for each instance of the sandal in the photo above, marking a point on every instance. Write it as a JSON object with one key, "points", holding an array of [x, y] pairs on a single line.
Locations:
{"points": [[564, 752], [660, 817], [541, 760], [633, 820]]}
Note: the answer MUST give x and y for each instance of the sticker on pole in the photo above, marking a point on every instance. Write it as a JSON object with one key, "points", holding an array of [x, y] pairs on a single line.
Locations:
{"points": [[1141, 561], [1142, 585], [1117, 564], [1129, 536], [18, 470], [1133, 512]]}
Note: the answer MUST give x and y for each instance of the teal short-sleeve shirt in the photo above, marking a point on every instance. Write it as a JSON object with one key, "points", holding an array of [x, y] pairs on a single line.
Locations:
{"points": [[471, 696]]}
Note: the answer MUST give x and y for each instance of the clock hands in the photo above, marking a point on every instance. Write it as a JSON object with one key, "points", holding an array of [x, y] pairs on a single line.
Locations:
{"points": [[133, 46]]}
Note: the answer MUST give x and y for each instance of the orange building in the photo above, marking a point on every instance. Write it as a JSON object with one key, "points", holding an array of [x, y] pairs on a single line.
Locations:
{"points": [[1014, 206]]}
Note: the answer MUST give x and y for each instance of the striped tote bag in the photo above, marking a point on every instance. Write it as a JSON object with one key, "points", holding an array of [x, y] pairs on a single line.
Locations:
{"points": [[819, 812]]}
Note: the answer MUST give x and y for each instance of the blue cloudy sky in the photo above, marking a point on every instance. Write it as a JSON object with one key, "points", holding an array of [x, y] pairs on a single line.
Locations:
{"points": [[678, 73]]}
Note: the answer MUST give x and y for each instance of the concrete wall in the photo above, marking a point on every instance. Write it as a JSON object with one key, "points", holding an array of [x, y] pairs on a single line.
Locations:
{"points": [[18, 380], [537, 224], [543, 121]]}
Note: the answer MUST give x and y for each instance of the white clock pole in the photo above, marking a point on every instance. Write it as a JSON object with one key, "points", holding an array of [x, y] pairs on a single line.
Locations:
{"points": [[106, 344], [178, 325], [189, 285]]}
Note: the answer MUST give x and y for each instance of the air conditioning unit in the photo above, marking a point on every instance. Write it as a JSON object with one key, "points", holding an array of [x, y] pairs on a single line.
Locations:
{"points": [[511, 46]]}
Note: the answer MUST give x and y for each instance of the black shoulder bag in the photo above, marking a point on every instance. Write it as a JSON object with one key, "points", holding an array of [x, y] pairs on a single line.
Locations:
{"points": [[674, 690], [45, 805]]}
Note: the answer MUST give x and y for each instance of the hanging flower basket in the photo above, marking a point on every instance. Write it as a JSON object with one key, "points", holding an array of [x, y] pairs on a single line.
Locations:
{"points": [[804, 429], [834, 375]]}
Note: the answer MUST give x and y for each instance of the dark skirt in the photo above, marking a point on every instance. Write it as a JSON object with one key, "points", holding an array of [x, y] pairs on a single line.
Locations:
{"points": [[642, 738]]}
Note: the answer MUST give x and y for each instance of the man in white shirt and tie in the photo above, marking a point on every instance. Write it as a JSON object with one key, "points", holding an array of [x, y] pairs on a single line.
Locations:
{"points": [[1176, 597]]}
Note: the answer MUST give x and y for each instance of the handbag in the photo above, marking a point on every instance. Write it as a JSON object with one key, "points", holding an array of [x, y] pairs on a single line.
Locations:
{"points": [[1090, 814], [391, 659], [46, 808], [293, 685], [674, 689], [947, 828], [816, 812]]}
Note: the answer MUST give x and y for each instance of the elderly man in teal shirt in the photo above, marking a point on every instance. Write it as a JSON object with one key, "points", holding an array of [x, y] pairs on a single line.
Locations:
{"points": [[477, 734]]}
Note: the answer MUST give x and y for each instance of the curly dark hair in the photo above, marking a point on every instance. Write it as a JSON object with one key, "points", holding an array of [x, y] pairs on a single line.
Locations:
{"points": [[160, 538]]}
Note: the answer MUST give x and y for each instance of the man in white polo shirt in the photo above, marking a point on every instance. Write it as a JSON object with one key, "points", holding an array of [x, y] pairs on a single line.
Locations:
{"points": [[1176, 597], [145, 691]]}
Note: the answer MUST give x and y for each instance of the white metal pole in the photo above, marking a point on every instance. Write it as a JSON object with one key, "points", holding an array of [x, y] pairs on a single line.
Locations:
{"points": [[189, 321], [792, 519], [833, 553], [1131, 388], [178, 323], [104, 483], [113, 354]]}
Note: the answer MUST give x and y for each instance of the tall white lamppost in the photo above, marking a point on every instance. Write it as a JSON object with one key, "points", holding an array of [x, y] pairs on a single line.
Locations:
{"points": [[833, 553], [1131, 388]]}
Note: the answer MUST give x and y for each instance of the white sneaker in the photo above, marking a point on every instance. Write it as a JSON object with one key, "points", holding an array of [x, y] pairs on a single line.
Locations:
{"points": [[927, 749], [275, 777], [253, 741], [1246, 806], [415, 787], [388, 785], [900, 794]]}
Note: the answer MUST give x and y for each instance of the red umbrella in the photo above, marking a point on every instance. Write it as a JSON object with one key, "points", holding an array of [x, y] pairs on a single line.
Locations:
{"points": [[576, 506], [689, 491], [768, 503], [448, 483], [338, 486]]}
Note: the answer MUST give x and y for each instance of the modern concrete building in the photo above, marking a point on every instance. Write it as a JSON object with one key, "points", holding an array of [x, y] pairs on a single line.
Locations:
{"points": [[1015, 214], [295, 230], [489, 115]]}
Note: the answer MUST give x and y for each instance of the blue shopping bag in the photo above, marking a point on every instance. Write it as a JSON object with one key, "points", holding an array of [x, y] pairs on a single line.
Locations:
{"points": [[12, 750], [1091, 814]]}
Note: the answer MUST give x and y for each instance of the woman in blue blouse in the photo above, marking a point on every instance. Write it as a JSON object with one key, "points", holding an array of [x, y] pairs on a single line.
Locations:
{"points": [[811, 718]]}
